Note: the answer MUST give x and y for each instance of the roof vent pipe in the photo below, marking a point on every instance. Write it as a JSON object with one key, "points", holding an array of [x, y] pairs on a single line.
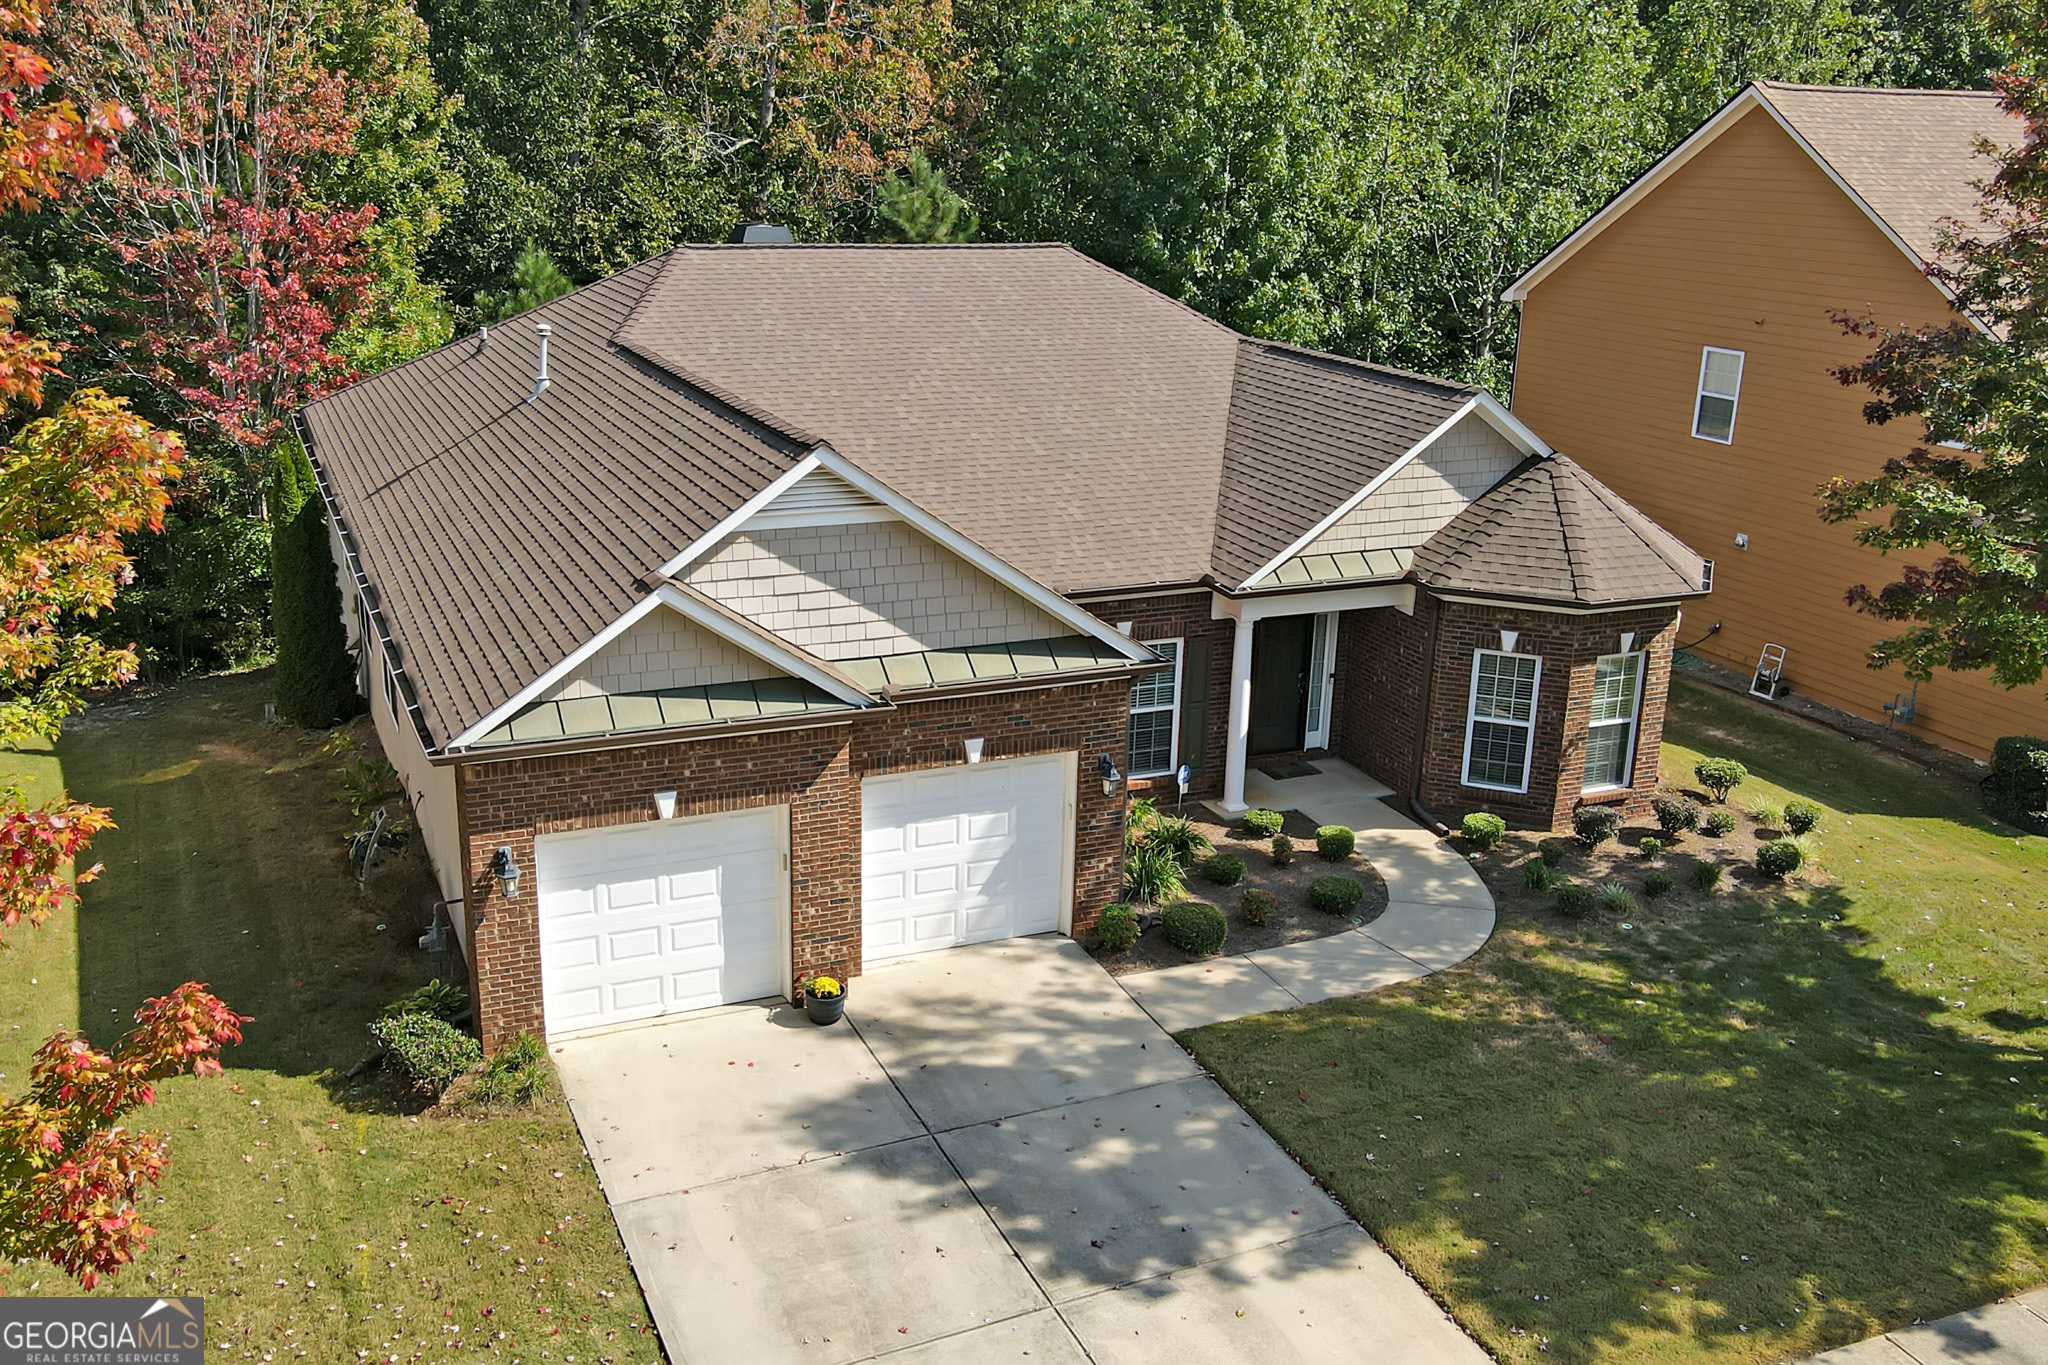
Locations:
{"points": [[540, 376], [483, 338]]}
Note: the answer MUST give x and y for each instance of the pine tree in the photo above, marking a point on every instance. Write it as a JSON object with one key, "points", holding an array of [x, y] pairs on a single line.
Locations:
{"points": [[316, 679], [922, 207], [535, 280]]}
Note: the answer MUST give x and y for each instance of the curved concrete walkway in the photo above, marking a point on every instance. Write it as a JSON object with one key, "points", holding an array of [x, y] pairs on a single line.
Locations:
{"points": [[1438, 913]]}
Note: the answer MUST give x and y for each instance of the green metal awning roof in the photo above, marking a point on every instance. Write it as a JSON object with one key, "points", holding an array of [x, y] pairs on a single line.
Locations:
{"points": [[671, 708], [947, 667]]}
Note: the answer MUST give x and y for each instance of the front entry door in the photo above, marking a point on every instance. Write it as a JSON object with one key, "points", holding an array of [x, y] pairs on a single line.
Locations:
{"points": [[1280, 669]]}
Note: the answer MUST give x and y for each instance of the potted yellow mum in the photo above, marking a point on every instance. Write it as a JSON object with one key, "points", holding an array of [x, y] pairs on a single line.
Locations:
{"points": [[824, 999]]}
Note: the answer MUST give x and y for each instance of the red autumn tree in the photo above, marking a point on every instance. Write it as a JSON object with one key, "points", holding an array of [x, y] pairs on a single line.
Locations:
{"points": [[72, 483], [241, 277]]}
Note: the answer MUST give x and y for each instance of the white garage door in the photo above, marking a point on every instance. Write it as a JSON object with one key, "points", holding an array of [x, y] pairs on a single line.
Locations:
{"points": [[653, 918], [963, 854]]}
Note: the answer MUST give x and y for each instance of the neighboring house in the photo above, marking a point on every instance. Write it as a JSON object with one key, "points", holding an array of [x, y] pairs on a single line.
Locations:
{"points": [[825, 604], [1681, 344]]}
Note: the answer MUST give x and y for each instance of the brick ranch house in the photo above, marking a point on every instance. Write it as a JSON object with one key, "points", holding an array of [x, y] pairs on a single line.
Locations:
{"points": [[769, 610]]}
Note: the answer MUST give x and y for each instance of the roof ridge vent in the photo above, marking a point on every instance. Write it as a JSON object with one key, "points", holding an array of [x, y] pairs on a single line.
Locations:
{"points": [[540, 374]]}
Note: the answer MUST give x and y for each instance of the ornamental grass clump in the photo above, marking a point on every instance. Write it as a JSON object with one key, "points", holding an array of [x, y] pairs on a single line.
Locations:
{"points": [[1537, 875], [1153, 874], [1224, 869], [1118, 927], [518, 1074], [1802, 817], [1483, 829], [1336, 895], [1675, 815], [1262, 824], [1766, 815], [1179, 836], [1258, 905], [1195, 927], [1706, 876], [1720, 776], [1335, 842], [1617, 899]]}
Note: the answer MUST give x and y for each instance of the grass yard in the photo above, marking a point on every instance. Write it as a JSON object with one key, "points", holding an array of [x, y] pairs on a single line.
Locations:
{"points": [[1737, 1126], [321, 1220]]}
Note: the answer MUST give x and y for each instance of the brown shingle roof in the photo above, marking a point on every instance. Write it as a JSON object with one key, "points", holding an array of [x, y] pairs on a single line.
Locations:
{"points": [[1909, 154], [1551, 532]]}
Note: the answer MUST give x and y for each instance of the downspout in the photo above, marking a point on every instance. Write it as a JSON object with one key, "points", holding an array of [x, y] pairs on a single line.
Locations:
{"points": [[1421, 812]]}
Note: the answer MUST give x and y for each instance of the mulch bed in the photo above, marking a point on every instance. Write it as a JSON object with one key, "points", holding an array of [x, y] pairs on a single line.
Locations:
{"points": [[1293, 919]]}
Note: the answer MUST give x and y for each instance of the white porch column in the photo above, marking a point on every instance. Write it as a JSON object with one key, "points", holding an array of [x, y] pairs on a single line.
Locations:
{"points": [[1238, 738]]}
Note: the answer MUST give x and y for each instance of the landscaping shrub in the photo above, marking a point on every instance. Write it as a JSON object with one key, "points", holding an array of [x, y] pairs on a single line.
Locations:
{"points": [[1718, 823], [1180, 837], [517, 1075], [1767, 815], [2019, 774], [1118, 927], [1706, 876], [1657, 883], [1675, 815], [1258, 905], [429, 1052], [1802, 817], [1617, 898], [1779, 858], [1537, 876], [1552, 851], [1283, 850], [1139, 817], [441, 999], [1595, 825], [1224, 869], [1195, 927], [1484, 829], [315, 679], [1335, 842], [1649, 846], [1720, 776], [1336, 895], [1152, 874], [1574, 899], [1263, 824]]}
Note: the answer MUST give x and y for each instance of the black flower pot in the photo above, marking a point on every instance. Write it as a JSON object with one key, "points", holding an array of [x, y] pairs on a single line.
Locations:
{"points": [[825, 1009]]}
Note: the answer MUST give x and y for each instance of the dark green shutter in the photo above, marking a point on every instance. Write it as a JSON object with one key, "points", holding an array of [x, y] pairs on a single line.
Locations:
{"points": [[1194, 702]]}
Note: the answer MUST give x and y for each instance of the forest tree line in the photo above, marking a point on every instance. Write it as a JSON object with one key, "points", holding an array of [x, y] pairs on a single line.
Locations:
{"points": [[312, 190]]}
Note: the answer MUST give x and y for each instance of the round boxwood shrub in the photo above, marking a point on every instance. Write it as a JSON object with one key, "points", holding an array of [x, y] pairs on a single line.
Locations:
{"points": [[1195, 927], [1258, 905], [1574, 899], [1720, 776], [1283, 850], [1118, 927], [1801, 817], [1779, 858], [1706, 876], [1657, 884], [1675, 815], [428, 1051], [1263, 824], [1552, 851], [1336, 895], [1484, 829], [1649, 846], [1595, 825], [1335, 842], [1718, 823], [1224, 869]]}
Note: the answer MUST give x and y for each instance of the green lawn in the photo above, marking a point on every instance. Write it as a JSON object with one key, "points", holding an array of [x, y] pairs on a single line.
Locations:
{"points": [[1748, 1126], [320, 1220]]}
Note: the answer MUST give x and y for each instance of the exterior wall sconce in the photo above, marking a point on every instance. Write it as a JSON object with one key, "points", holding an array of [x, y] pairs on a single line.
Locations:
{"points": [[665, 805], [1110, 776], [973, 747], [507, 873]]}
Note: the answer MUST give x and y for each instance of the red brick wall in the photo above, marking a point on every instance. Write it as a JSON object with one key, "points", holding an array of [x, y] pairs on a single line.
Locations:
{"points": [[1377, 706], [1568, 646], [1184, 616], [816, 773]]}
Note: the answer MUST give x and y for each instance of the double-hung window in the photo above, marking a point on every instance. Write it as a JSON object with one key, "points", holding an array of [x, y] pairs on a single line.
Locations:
{"points": [[1500, 724], [1611, 739], [1713, 411], [1155, 715]]}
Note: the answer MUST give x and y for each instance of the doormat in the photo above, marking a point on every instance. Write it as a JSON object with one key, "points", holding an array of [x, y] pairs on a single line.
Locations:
{"points": [[1282, 769]]}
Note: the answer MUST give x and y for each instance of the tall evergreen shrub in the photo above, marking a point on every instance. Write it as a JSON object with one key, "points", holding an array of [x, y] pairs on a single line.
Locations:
{"points": [[316, 680]]}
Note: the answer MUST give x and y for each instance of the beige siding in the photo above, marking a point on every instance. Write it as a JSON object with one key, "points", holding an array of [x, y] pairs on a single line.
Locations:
{"points": [[431, 789], [662, 649], [849, 592], [1750, 247], [1415, 503]]}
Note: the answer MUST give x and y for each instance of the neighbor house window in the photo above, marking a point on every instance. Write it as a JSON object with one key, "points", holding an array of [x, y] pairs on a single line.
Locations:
{"points": [[1499, 726], [390, 687], [1611, 740], [1155, 714], [1713, 415]]}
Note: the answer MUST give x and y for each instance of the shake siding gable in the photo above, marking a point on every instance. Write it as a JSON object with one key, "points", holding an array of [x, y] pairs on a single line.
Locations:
{"points": [[661, 650], [1418, 500], [1750, 247]]}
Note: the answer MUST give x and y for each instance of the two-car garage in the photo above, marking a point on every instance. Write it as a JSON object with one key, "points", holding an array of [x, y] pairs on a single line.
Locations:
{"points": [[664, 916]]}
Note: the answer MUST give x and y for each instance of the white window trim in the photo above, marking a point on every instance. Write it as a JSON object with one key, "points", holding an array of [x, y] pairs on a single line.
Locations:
{"points": [[1180, 654], [1707, 353], [1471, 720], [1635, 717], [391, 688]]}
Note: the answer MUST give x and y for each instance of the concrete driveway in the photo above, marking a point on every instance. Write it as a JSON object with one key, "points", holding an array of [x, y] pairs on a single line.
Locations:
{"points": [[1004, 1157]]}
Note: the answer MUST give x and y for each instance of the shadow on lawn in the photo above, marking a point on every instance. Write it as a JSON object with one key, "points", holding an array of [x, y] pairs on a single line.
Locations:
{"points": [[228, 867], [1734, 1127]]}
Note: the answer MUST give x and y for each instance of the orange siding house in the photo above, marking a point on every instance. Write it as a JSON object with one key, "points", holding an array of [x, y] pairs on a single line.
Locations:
{"points": [[1679, 346]]}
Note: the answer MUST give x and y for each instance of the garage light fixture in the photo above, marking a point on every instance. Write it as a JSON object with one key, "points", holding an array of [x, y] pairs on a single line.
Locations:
{"points": [[1110, 776], [665, 805], [507, 873]]}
